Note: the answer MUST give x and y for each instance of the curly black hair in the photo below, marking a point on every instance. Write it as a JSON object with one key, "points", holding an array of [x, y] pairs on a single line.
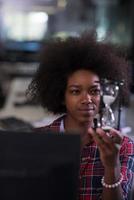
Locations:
{"points": [[60, 58]]}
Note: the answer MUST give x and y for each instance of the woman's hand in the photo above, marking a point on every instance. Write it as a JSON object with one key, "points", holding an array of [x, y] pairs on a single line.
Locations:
{"points": [[108, 144]]}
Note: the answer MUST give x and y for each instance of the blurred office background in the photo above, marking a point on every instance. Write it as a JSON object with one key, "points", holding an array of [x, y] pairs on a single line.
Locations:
{"points": [[27, 24]]}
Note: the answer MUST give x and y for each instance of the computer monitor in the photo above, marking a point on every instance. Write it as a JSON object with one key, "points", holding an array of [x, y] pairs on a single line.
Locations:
{"points": [[41, 166]]}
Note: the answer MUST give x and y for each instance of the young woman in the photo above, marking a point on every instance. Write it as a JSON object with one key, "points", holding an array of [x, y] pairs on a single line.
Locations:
{"points": [[68, 82]]}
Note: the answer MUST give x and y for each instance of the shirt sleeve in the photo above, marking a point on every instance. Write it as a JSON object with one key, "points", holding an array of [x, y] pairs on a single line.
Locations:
{"points": [[127, 166]]}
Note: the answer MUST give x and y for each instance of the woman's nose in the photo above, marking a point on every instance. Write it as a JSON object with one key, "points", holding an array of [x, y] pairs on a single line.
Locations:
{"points": [[87, 98]]}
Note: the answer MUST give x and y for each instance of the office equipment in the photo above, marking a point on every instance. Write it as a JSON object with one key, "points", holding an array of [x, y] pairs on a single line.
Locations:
{"points": [[41, 166]]}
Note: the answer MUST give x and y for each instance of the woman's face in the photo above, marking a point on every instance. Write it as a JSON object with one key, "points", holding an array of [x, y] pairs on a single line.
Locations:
{"points": [[82, 96]]}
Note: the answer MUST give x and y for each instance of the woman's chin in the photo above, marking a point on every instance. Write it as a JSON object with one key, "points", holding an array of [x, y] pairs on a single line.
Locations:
{"points": [[87, 119]]}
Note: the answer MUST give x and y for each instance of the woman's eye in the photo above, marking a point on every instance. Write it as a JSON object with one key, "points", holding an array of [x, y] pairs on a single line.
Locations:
{"points": [[75, 92], [95, 92]]}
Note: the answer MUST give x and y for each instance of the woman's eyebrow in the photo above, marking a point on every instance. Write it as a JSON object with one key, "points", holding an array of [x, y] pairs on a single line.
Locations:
{"points": [[74, 85], [78, 86], [95, 86], [97, 82]]}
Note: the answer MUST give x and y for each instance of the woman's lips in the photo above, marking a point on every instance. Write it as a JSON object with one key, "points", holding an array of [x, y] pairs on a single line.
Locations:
{"points": [[87, 110]]}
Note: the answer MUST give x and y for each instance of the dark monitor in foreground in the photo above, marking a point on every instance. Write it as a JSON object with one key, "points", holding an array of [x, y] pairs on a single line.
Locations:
{"points": [[41, 166]]}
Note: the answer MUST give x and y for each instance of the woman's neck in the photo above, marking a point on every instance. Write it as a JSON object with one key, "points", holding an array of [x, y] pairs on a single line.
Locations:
{"points": [[72, 125]]}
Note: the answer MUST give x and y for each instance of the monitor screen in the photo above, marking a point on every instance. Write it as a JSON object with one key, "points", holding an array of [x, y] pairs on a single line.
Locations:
{"points": [[41, 166]]}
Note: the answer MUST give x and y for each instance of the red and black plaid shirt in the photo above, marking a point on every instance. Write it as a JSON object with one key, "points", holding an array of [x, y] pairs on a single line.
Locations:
{"points": [[92, 170]]}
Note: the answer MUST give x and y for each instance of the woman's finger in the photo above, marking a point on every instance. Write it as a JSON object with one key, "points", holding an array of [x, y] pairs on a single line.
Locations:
{"points": [[107, 139], [97, 136]]}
